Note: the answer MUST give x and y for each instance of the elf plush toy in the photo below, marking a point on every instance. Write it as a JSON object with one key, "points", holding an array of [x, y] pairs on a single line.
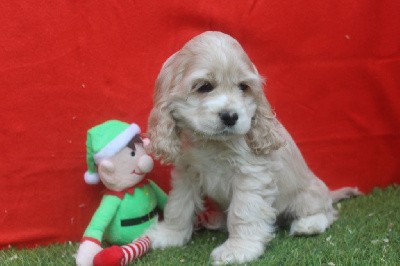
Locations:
{"points": [[116, 156]]}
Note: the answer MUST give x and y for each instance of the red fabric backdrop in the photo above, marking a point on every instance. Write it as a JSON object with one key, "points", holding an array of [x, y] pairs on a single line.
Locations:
{"points": [[333, 71]]}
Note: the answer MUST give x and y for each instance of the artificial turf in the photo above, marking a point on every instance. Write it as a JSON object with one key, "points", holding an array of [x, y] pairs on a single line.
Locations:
{"points": [[367, 233]]}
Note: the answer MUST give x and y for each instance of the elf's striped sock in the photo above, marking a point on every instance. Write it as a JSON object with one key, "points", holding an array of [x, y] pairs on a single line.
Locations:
{"points": [[135, 249], [122, 255]]}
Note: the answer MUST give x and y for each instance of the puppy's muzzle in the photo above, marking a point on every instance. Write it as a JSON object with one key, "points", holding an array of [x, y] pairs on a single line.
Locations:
{"points": [[228, 118]]}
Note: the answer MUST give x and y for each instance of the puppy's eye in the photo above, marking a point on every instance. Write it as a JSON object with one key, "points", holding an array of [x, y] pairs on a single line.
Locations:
{"points": [[133, 154], [205, 87], [243, 87]]}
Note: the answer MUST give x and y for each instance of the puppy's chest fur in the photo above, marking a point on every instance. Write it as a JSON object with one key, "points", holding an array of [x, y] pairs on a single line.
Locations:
{"points": [[213, 170]]}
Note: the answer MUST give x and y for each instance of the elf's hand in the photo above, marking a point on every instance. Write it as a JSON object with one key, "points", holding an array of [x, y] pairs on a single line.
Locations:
{"points": [[211, 220], [86, 252]]}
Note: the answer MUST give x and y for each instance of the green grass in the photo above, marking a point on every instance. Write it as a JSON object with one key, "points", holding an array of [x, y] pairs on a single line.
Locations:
{"points": [[367, 233]]}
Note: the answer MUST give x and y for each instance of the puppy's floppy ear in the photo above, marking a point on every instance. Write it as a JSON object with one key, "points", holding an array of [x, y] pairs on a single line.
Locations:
{"points": [[263, 137], [165, 143]]}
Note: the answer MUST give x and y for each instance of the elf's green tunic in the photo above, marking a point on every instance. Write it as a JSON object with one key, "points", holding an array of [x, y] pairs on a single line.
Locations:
{"points": [[123, 217]]}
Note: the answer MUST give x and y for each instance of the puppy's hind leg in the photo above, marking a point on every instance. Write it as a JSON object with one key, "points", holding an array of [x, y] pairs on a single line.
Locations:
{"points": [[311, 225], [312, 210]]}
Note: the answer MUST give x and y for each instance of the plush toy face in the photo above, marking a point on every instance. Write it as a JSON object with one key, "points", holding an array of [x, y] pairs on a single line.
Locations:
{"points": [[126, 168]]}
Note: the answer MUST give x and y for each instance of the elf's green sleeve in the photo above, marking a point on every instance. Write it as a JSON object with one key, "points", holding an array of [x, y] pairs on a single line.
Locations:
{"points": [[160, 195], [102, 217]]}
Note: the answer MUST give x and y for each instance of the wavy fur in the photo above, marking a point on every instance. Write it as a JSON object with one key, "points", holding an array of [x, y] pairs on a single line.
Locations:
{"points": [[212, 120]]}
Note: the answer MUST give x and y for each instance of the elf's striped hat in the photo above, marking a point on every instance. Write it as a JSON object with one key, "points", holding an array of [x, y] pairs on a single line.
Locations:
{"points": [[104, 141]]}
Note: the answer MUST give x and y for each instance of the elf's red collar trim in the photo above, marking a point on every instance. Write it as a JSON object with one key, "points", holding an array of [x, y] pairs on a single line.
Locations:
{"points": [[131, 190]]}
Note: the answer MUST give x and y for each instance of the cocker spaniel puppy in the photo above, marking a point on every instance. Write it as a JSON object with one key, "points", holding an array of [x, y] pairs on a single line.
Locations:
{"points": [[212, 121]]}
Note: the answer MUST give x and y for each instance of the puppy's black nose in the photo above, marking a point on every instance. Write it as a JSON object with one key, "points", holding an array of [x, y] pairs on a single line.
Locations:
{"points": [[229, 119]]}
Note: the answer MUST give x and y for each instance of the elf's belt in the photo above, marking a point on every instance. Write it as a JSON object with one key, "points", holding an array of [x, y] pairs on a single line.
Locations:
{"points": [[139, 220]]}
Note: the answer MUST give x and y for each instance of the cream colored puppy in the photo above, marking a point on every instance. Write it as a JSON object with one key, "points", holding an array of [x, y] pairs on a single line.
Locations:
{"points": [[212, 121]]}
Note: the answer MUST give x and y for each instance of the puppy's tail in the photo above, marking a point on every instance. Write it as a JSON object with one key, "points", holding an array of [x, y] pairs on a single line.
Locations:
{"points": [[345, 193]]}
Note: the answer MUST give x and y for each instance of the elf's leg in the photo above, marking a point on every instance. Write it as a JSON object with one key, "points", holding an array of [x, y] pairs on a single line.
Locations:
{"points": [[122, 255]]}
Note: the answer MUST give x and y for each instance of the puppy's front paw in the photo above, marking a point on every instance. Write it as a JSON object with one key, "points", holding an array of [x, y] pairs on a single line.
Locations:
{"points": [[236, 251], [163, 236]]}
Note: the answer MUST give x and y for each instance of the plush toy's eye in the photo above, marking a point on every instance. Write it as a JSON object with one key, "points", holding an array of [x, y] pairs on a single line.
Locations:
{"points": [[133, 153], [243, 86], [205, 87]]}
